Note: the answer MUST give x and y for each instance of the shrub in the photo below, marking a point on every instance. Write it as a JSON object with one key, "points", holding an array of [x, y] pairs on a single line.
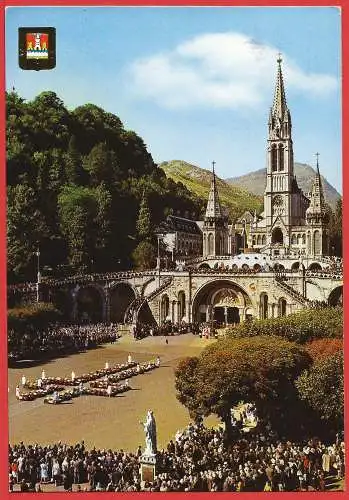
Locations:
{"points": [[301, 327]]}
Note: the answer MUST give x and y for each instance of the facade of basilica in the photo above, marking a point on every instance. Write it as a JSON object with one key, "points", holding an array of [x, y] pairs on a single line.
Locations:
{"points": [[291, 224]]}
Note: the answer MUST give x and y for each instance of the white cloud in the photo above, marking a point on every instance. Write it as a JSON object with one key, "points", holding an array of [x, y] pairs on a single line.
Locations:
{"points": [[222, 70]]}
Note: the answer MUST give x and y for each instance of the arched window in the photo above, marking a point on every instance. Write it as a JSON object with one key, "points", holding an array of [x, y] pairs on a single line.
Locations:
{"points": [[303, 239], [317, 243], [308, 243], [264, 306], [294, 239], [210, 244], [281, 157], [273, 158], [264, 239]]}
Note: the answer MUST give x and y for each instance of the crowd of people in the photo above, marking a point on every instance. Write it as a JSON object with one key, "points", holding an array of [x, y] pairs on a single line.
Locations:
{"points": [[198, 459], [59, 340], [167, 328]]}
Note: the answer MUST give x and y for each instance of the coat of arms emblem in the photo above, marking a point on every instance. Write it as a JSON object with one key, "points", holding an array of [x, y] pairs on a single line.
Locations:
{"points": [[37, 45]]}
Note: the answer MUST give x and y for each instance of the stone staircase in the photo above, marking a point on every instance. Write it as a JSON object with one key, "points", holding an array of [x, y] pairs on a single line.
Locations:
{"points": [[131, 314], [280, 281]]}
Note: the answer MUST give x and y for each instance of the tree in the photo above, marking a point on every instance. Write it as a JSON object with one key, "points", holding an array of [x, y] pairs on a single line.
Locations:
{"points": [[48, 148], [260, 370], [83, 216], [25, 228], [144, 256], [143, 224], [74, 172], [322, 387], [335, 229], [101, 165]]}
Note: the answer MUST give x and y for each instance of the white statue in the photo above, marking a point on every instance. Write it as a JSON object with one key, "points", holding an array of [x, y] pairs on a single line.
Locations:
{"points": [[150, 434]]}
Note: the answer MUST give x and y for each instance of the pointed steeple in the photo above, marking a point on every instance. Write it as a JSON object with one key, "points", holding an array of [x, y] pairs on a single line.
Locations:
{"points": [[213, 209], [316, 209], [279, 108], [279, 122]]}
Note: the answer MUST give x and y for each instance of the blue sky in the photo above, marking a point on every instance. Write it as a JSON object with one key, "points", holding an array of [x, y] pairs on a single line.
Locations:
{"points": [[196, 83]]}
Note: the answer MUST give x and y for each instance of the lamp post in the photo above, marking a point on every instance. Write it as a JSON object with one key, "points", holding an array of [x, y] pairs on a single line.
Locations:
{"points": [[38, 276]]}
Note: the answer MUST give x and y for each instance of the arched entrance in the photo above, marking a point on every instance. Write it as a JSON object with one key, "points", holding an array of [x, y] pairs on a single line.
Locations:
{"points": [[295, 266], [315, 266], [221, 300], [90, 302], [121, 296], [282, 307], [204, 267], [277, 236], [336, 297]]}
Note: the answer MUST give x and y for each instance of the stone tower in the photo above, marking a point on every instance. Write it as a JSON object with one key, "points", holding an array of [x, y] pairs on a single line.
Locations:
{"points": [[281, 184], [317, 218], [215, 229]]}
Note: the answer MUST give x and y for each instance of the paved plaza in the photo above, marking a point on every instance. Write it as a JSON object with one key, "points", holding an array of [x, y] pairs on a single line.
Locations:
{"points": [[100, 421]]}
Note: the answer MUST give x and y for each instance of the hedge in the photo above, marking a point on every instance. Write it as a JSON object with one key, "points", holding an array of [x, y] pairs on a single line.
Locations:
{"points": [[301, 327]]}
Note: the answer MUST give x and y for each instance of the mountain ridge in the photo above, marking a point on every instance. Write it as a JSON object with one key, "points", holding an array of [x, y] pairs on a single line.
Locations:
{"points": [[198, 180], [254, 182]]}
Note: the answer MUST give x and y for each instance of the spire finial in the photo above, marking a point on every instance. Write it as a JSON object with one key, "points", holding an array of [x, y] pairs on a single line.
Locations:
{"points": [[279, 59], [317, 159], [213, 164]]}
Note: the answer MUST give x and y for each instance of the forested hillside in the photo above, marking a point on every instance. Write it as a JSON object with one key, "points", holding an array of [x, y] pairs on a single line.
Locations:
{"points": [[198, 180], [76, 180]]}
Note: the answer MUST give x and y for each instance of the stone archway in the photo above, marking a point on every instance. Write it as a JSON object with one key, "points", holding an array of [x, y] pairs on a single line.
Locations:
{"points": [[295, 266], [277, 236], [315, 266], [120, 297], [336, 297], [223, 300], [90, 302]]}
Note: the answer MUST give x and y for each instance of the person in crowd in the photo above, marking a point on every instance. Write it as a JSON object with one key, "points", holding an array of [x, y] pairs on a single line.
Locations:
{"points": [[197, 459]]}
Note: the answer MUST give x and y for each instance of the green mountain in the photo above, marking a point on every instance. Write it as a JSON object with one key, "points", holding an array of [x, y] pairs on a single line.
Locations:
{"points": [[198, 180], [254, 182]]}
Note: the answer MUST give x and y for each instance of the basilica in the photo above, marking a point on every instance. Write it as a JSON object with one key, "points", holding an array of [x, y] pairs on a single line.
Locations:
{"points": [[293, 224]]}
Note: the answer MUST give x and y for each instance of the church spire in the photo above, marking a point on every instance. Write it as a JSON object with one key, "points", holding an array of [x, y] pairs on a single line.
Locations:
{"points": [[279, 108], [316, 208], [213, 209]]}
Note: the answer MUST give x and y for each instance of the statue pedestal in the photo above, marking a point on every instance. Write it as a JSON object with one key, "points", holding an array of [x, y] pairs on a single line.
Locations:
{"points": [[148, 467]]}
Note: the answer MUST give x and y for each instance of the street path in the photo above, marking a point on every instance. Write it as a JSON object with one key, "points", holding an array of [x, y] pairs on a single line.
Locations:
{"points": [[107, 422]]}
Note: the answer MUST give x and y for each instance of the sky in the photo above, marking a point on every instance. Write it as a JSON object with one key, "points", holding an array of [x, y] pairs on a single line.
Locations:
{"points": [[196, 83]]}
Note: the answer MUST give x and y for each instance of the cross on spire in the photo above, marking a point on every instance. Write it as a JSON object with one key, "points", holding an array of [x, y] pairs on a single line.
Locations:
{"points": [[213, 164], [279, 59], [317, 158]]}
